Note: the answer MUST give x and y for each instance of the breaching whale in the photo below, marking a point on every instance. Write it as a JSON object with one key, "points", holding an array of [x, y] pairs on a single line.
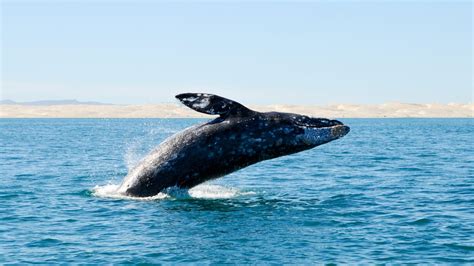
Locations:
{"points": [[237, 138]]}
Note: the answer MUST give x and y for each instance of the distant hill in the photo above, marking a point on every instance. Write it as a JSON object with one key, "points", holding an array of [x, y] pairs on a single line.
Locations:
{"points": [[51, 102], [75, 109]]}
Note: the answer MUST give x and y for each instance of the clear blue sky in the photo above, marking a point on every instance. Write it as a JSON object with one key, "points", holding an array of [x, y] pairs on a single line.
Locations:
{"points": [[270, 52]]}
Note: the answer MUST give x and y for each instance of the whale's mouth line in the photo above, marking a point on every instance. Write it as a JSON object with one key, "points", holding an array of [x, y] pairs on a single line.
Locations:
{"points": [[316, 127], [322, 123]]}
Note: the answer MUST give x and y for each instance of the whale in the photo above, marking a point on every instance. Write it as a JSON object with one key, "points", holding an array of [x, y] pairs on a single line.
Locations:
{"points": [[236, 138]]}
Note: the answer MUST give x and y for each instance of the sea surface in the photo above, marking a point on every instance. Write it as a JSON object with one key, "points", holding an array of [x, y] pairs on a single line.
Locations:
{"points": [[391, 191]]}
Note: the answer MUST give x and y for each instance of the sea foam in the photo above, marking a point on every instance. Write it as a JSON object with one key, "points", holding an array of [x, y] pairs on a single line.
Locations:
{"points": [[203, 191]]}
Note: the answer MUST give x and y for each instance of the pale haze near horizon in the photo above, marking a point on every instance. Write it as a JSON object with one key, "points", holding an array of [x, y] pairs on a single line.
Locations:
{"points": [[266, 53]]}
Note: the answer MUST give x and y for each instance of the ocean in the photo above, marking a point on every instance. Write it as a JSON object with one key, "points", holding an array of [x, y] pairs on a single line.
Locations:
{"points": [[391, 191]]}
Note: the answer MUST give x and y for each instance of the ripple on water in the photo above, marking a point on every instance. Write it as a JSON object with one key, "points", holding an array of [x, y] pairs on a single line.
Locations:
{"points": [[460, 246], [45, 242], [421, 221]]}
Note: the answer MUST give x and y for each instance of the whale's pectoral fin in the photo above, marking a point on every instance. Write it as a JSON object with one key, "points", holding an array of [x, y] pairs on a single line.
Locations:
{"points": [[212, 104]]}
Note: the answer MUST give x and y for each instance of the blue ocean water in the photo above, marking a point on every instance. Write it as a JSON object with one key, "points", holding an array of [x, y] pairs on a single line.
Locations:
{"points": [[391, 191]]}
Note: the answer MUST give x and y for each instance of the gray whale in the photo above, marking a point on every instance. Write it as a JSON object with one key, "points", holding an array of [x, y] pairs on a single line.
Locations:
{"points": [[237, 138]]}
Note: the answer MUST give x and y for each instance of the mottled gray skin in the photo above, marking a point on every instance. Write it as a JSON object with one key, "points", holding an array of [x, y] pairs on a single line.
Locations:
{"points": [[238, 138]]}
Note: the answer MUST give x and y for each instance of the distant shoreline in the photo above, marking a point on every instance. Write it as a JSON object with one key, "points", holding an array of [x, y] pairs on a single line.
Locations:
{"points": [[387, 110]]}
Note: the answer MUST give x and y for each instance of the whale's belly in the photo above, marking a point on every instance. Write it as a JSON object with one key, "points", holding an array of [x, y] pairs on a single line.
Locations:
{"points": [[186, 161]]}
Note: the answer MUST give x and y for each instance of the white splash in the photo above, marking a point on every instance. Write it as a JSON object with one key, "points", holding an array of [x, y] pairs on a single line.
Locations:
{"points": [[203, 191], [133, 154], [138, 148], [111, 191], [209, 191]]}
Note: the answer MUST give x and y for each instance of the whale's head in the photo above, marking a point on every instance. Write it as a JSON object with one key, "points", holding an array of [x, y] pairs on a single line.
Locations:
{"points": [[290, 133], [317, 131]]}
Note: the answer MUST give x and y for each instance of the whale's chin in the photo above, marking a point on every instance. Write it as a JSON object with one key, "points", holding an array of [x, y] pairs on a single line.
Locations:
{"points": [[315, 136], [339, 131]]}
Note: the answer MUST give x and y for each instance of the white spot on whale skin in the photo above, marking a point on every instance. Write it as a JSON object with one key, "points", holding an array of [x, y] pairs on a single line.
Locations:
{"points": [[190, 99], [201, 104]]}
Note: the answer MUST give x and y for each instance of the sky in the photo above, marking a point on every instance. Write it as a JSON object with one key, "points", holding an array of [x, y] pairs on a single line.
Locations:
{"points": [[320, 52]]}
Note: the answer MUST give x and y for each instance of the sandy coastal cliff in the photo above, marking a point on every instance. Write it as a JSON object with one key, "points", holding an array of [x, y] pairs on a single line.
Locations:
{"points": [[176, 110]]}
